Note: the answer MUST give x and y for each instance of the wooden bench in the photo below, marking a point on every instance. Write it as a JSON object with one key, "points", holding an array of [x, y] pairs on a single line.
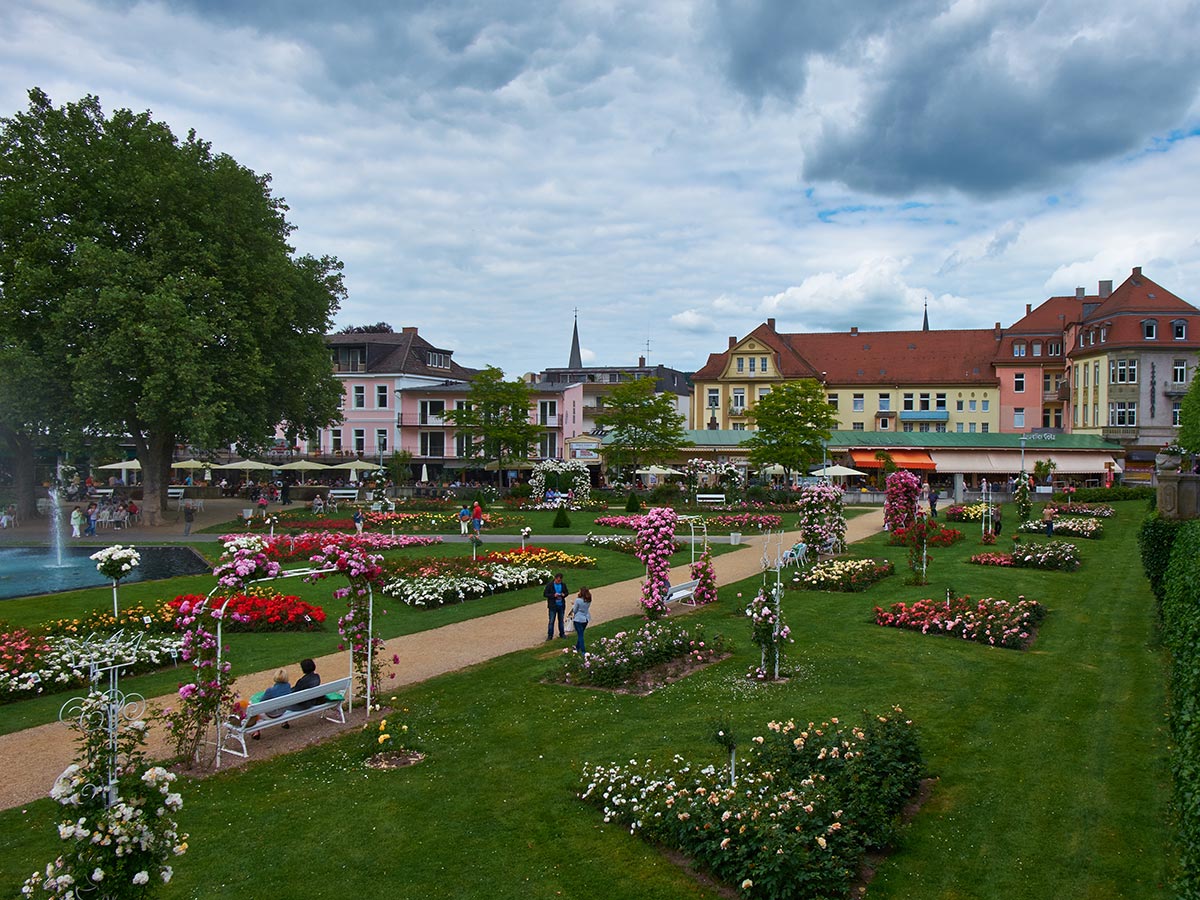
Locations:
{"points": [[324, 698], [684, 593], [710, 498]]}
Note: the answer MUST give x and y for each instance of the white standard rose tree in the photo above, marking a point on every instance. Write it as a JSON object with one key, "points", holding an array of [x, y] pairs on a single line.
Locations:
{"points": [[116, 562]]}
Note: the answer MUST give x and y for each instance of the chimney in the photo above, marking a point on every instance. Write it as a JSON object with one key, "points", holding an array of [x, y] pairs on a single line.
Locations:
{"points": [[1105, 288], [732, 341], [1080, 293], [997, 331], [1028, 308], [854, 329], [641, 362], [771, 324], [1137, 271], [409, 329]]}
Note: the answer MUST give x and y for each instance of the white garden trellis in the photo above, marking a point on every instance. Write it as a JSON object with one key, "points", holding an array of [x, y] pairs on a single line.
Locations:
{"points": [[692, 523], [775, 565]]}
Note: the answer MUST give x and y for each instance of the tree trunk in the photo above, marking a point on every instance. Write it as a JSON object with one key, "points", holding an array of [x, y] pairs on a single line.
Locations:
{"points": [[24, 472], [154, 453]]}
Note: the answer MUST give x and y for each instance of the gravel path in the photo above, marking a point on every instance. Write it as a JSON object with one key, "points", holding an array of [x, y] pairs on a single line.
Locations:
{"points": [[33, 758]]}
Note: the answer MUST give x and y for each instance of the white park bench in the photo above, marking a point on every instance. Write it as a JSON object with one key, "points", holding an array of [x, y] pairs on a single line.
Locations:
{"points": [[710, 498], [175, 494], [349, 495], [279, 710], [683, 593]]}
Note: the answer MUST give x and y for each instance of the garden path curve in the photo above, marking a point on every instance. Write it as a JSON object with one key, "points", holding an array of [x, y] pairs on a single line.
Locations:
{"points": [[32, 759]]}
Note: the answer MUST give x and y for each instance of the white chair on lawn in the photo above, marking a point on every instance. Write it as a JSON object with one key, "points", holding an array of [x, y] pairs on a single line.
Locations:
{"points": [[797, 555]]}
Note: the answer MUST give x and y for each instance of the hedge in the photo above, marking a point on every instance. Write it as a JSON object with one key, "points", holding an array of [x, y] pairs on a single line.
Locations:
{"points": [[1104, 495]]}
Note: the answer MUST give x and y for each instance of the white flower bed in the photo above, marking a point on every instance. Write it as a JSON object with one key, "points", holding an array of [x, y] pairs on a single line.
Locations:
{"points": [[1068, 525], [66, 663], [443, 589]]}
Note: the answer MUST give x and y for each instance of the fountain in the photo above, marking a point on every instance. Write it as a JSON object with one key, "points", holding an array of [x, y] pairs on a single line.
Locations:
{"points": [[56, 539]]}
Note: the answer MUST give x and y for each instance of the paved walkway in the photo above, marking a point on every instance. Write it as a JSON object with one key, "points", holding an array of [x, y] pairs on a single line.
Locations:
{"points": [[33, 758]]}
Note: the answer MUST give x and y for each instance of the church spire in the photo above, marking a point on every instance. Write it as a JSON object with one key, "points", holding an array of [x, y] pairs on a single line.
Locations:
{"points": [[576, 361], [925, 327]]}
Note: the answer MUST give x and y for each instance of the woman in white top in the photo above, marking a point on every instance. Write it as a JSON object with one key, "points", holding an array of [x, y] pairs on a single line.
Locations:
{"points": [[581, 614]]}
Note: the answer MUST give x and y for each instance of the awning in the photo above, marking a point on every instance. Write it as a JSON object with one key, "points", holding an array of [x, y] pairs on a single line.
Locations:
{"points": [[904, 459], [978, 462], [1083, 463]]}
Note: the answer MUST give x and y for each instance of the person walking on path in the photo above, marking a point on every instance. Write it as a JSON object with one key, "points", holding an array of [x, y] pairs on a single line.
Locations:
{"points": [[90, 516], [996, 523], [556, 604], [189, 516], [933, 499], [464, 518], [1048, 514], [358, 521], [76, 523], [581, 614], [477, 517]]}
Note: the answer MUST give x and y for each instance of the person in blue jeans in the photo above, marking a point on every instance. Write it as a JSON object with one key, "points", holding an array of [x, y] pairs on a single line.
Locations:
{"points": [[556, 603], [581, 614]]}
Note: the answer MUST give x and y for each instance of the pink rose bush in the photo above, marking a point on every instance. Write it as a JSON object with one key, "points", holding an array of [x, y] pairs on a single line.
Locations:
{"points": [[997, 623], [822, 521], [900, 500], [655, 545], [613, 661]]}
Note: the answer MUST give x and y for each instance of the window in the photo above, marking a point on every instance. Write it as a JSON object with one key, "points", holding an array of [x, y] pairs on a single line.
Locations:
{"points": [[885, 402], [741, 364], [739, 400], [1103, 334], [924, 401], [1037, 348], [940, 427], [910, 402], [360, 397], [381, 440], [431, 412], [381, 396], [335, 440], [857, 426], [908, 426], [971, 406], [1179, 330], [983, 405], [859, 403], [1096, 413], [832, 400], [1019, 382], [1179, 371], [1085, 376], [1054, 348], [883, 424], [762, 364], [1019, 348], [959, 428], [971, 428], [752, 362], [739, 426], [360, 440], [1176, 406], [958, 406], [1122, 414], [1045, 382], [548, 414], [548, 445], [714, 398], [1019, 417], [1150, 329], [762, 392], [433, 443], [924, 427], [463, 445], [939, 402], [439, 360], [983, 429], [1045, 417]]}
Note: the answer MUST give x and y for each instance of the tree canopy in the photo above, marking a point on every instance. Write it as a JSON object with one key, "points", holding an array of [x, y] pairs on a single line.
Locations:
{"points": [[150, 282], [1189, 418], [792, 423], [646, 429], [377, 328], [496, 419]]}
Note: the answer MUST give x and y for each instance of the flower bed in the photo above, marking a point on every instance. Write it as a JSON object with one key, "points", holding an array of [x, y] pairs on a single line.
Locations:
{"points": [[992, 559], [619, 542], [998, 623], [286, 547], [132, 618], [809, 802], [936, 535], [259, 609], [628, 522], [849, 575], [1051, 555], [761, 521], [59, 662], [439, 590], [958, 512], [1068, 525], [611, 662], [540, 556], [1087, 510]]}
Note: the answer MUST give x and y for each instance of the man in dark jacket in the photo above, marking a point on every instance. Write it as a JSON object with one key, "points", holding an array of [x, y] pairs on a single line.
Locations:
{"points": [[556, 602], [309, 679]]}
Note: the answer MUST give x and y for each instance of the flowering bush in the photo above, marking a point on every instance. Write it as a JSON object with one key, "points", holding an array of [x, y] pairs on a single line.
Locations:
{"points": [[706, 579], [362, 572], [1050, 555], [1088, 510], [998, 623], [769, 632], [574, 469], [612, 661], [32, 664], [655, 545], [540, 556], [287, 547], [971, 513], [210, 692], [822, 521], [116, 562], [745, 520], [811, 800], [1022, 499], [1068, 525], [160, 618], [119, 842], [992, 559], [434, 590], [244, 560], [619, 542], [849, 575], [633, 522], [934, 533], [392, 734], [900, 500], [261, 609]]}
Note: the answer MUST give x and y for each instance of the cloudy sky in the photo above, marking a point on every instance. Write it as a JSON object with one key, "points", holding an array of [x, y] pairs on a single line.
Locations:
{"points": [[677, 170]]}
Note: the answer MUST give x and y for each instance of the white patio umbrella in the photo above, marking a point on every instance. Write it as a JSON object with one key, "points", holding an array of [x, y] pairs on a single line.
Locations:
{"points": [[836, 472], [304, 465], [357, 465], [658, 470], [190, 464], [126, 464], [246, 465], [424, 472]]}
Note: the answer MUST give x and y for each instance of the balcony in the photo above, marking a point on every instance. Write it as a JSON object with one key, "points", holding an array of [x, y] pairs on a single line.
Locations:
{"points": [[547, 421], [427, 420], [925, 415], [1119, 433], [353, 368], [1171, 389]]}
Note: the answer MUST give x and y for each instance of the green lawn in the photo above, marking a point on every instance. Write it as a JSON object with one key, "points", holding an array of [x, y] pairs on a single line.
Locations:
{"points": [[1051, 771]]}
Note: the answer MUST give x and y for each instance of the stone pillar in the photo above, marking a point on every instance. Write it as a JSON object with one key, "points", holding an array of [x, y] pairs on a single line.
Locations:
{"points": [[1178, 495]]}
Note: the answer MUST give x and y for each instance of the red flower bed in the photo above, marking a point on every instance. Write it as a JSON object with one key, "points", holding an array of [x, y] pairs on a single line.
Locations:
{"points": [[938, 535], [262, 611], [997, 623], [992, 559]]}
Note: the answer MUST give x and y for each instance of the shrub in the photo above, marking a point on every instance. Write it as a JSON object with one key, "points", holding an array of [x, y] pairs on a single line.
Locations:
{"points": [[997, 623], [1106, 495], [561, 519], [849, 575], [664, 494], [1072, 526], [1058, 555], [613, 661], [1155, 540], [522, 490], [633, 504]]}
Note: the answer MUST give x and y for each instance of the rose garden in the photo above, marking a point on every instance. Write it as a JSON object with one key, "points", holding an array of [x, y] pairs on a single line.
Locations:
{"points": [[858, 725]]}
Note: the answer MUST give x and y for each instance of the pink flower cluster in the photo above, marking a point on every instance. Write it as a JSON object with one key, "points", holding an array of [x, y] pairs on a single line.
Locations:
{"points": [[244, 566], [822, 522], [746, 520], [706, 578], [900, 500], [998, 623], [634, 522], [655, 544], [992, 559]]}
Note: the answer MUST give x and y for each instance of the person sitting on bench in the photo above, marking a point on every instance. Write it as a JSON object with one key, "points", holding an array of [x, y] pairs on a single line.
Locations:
{"points": [[309, 679], [279, 688]]}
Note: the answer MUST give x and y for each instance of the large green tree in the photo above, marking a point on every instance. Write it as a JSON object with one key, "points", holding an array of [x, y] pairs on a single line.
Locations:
{"points": [[791, 425], [152, 283], [496, 419], [646, 429], [1189, 418]]}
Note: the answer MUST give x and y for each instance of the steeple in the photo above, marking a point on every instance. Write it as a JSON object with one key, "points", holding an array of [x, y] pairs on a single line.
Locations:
{"points": [[576, 361], [925, 327]]}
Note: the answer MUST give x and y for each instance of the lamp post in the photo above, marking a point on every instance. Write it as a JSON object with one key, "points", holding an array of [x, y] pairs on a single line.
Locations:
{"points": [[1022, 456]]}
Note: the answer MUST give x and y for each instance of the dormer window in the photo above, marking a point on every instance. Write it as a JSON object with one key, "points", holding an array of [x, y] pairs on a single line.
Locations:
{"points": [[1037, 348], [1149, 329], [439, 360], [1019, 348], [1179, 329], [1103, 334]]}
